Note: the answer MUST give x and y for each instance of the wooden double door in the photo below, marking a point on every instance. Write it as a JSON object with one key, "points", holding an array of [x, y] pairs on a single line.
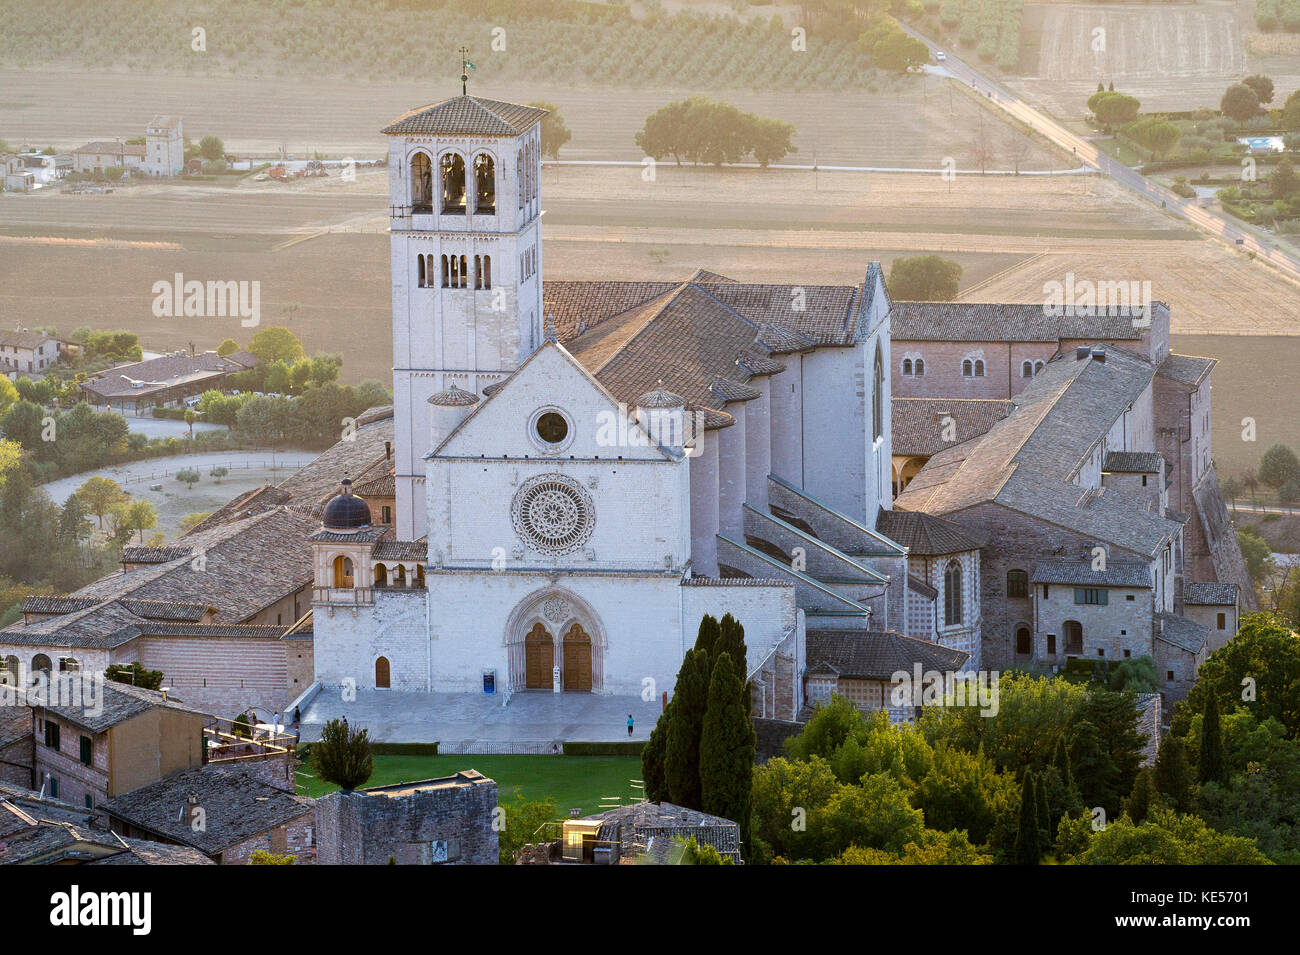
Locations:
{"points": [[539, 659]]}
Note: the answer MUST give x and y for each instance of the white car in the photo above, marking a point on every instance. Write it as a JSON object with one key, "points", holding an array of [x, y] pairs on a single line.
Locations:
{"points": [[940, 56]]}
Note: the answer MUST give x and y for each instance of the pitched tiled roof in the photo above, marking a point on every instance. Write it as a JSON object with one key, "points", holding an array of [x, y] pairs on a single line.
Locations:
{"points": [[453, 397], [1186, 369], [925, 534], [1181, 632], [997, 322], [257, 501], [1210, 594], [383, 486], [144, 852], [876, 654], [107, 146], [918, 585], [154, 555], [401, 550], [1118, 573], [115, 703], [1134, 462], [1029, 460], [729, 390], [360, 457], [757, 363], [466, 116], [22, 338], [180, 611], [59, 605], [236, 807], [917, 424], [154, 374]]}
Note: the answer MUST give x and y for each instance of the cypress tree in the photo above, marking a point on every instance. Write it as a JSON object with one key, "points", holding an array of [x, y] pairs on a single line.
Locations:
{"points": [[709, 632], [1213, 767], [1139, 801], [1173, 773], [1028, 850], [1070, 801], [652, 759], [732, 641], [1044, 817], [682, 746], [727, 749]]}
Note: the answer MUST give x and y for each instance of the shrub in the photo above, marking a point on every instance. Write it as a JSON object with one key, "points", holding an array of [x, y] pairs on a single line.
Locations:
{"points": [[343, 755]]}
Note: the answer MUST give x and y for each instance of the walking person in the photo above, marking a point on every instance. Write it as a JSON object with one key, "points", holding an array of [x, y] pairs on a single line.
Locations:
{"points": [[629, 724]]}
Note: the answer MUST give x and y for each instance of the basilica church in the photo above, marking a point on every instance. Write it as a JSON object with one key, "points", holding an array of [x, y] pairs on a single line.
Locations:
{"points": [[583, 469], [579, 471]]}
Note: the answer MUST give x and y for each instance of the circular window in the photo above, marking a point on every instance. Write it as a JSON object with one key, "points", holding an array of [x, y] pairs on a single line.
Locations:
{"points": [[552, 428], [552, 514]]}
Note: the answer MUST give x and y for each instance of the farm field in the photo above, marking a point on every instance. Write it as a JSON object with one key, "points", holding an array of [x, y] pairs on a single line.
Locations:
{"points": [[1170, 56], [1254, 379], [910, 121], [573, 781]]}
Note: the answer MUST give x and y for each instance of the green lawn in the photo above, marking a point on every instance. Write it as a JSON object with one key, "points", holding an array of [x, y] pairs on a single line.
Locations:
{"points": [[574, 781]]}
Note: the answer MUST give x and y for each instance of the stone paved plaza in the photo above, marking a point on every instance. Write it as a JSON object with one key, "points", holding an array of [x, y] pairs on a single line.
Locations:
{"points": [[478, 723]]}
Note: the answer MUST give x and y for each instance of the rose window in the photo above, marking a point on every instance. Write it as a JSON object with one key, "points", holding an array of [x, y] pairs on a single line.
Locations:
{"points": [[553, 515]]}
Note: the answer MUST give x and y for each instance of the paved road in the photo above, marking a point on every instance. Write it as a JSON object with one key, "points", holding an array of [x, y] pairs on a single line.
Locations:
{"points": [[1208, 220], [164, 469]]}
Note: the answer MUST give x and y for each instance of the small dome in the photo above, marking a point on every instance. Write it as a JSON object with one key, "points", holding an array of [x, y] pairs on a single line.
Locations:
{"points": [[453, 397], [346, 512], [660, 398]]}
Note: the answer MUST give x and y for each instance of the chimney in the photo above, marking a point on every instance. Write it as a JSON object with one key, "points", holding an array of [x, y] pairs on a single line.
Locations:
{"points": [[388, 450], [1099, 353], [191, 808], [1081, 352]]}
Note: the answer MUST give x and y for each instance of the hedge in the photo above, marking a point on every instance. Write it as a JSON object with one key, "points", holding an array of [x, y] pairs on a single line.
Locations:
{"points": [[383, 749], [616, 748]]}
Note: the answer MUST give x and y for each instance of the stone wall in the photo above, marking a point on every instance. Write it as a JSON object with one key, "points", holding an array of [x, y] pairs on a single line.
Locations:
{"points": [[295, 838], [772, 735], [442, 820]]}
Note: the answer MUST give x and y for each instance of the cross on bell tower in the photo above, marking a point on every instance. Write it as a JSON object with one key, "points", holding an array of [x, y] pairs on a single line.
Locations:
{"points": [[465, 67]]}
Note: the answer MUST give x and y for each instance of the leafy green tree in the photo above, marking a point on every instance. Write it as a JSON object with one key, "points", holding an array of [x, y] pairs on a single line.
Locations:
{"points": [[141, 515], [228, 347], [1046, 833], [1257, 670], [1112, 108], [1256, 552], [276, 343], [707, 636], [218, 472], [964, 791], [263, 857], [875, 815], [1166, 838], [343, 755], [554, 133], [682, 747], [1278, 465], [188, 476], [1240, 102], [924, 278], [727, 749], [1210, 764], [1116, 717], [1262, 86], [1028, 850], [692, 853], [787, 794], [1282, 184], [211, 148], [652, 760], [134, 674], [99, 494], [1172, 775], [523, 819]]}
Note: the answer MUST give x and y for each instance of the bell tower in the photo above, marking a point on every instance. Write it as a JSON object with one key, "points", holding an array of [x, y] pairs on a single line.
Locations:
{"points": [[464, 186]]}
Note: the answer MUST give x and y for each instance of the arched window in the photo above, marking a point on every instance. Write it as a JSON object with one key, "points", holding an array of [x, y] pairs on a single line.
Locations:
{"points": [[381, 575], [1017, 584], [453, 183], [422, 281], [446, 271], [1038, 366], [419, 575], [343, 571], [920, 367], [69, 665], [485, 185], [979, 368], [952, 594], [41, 664], [1024, 641], [399, 577], [462, 274], [1027, 369], [878, 397], [907, 366], [967, 368], [383, 676], [486, 272], [421, 183], [519, 178], [10, 674]]}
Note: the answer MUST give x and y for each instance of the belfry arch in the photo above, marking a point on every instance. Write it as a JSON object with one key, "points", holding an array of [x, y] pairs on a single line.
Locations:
{"points": [[559, 621]]}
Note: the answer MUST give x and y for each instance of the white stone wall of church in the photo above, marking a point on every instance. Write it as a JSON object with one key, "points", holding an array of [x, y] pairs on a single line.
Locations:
{"points": [[638, 617], [786, 391], [758, 444], [835, 430], [920, 616], [766, 613], [732, 474], [704, 507], [348, 641]]}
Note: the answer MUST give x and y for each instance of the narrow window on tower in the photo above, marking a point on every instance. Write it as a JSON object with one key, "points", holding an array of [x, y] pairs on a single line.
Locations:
{"points": [[519, 178], [487, 271], [485, 185], [453, 183], [446, 271], [421, 270], [464, 272]]}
